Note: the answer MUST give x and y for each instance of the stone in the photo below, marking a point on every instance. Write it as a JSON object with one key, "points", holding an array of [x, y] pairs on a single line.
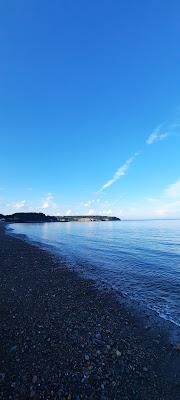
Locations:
{"points": [[98, 336], [2, 376], [34, 379], [13, 348]]}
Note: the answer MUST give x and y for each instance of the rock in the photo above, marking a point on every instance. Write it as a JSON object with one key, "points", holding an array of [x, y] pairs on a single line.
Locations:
{"points": [[118, 353], [98, 336], [86, 357], [2, 376], [13, 348], [145, 369], [102, 386], [147, 327], [34, 379], [32, 393], [156, 341]]}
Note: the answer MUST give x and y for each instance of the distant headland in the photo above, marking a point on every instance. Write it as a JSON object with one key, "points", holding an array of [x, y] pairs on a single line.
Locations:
{"points": [[40, 217]]}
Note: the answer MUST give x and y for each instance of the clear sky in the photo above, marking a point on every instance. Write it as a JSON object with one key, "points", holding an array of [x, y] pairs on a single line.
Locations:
{"points": [[90, 107]]}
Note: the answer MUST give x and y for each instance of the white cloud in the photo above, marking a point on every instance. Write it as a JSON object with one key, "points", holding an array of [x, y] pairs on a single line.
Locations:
{"points": [[105, 212], [68, 212], [120, 172], [92, 212], [167, 205], [45, 205], [156, 135], [19, 205], [151, 199], [48, 202], [89, 203], [161, 212], [144, 211], [100, 212], [173, 190], [175, 125]]}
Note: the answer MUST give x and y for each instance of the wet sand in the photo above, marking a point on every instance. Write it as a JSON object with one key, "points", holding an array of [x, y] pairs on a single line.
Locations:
{"points": [[62, 338]]}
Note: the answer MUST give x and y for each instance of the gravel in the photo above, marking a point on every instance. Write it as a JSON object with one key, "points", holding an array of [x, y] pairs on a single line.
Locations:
{"points": [[62, 338]]}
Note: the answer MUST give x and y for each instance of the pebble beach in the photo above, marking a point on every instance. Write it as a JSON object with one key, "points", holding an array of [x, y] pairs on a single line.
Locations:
{"points": [[62, 338]]}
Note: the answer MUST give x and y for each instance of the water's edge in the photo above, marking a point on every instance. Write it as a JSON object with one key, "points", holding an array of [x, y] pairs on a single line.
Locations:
{"points": [[150, 319]]}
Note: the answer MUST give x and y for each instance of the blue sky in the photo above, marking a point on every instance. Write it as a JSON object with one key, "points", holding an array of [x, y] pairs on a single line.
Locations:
{"points": [[90, 107]]}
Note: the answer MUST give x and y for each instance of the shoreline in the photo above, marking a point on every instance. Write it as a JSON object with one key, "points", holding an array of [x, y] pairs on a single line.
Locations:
{"points": [[62, 338], [155, 320]]}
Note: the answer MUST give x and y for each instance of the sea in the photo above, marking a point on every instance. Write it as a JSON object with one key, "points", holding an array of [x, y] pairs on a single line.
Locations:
{"points": [[140, 259]]}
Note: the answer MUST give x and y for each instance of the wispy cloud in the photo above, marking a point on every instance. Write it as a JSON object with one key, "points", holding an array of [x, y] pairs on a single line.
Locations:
{"points": [[49, 204], [68, 212], [89, 203], [100, 212], [19, 205], [157, 135], [106, 212], [47, 201], [92, 212], [120, 172], [167, 204], [173, 190], [174, 126]]}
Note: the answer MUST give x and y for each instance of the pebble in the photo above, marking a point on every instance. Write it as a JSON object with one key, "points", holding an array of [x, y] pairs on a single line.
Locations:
{"points": [[34, 379], [13, 348], [102, 386], [2, 376], [98, 336], [32, 393], [102, 352]]}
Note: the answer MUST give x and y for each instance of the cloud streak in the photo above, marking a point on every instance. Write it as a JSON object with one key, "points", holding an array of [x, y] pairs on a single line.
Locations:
{"points": [[47, 201], [20, 204], [173, 190], [49, 204], [120, 172], [68, 212], [89, 203], [156, 136]]}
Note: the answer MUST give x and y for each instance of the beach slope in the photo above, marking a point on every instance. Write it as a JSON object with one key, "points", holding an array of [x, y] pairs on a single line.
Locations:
{"points": [[61, 338]]}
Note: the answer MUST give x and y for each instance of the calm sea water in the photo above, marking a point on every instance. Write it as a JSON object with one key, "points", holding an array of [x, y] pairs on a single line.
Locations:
{"points": [[138, 258]]}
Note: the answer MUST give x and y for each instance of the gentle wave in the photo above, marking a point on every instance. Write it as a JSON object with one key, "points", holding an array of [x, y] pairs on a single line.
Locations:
{"points": [[139, 258]]}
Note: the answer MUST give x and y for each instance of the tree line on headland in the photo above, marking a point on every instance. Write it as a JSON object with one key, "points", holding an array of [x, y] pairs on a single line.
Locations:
{"points": [[40, 217]]}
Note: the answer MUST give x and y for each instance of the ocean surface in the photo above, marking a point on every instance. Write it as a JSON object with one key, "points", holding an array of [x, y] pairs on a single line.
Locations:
{"points": [[138, 258]]}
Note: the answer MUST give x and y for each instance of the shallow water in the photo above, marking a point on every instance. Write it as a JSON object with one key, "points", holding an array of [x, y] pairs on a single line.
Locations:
{"points": [[138, 258]]}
